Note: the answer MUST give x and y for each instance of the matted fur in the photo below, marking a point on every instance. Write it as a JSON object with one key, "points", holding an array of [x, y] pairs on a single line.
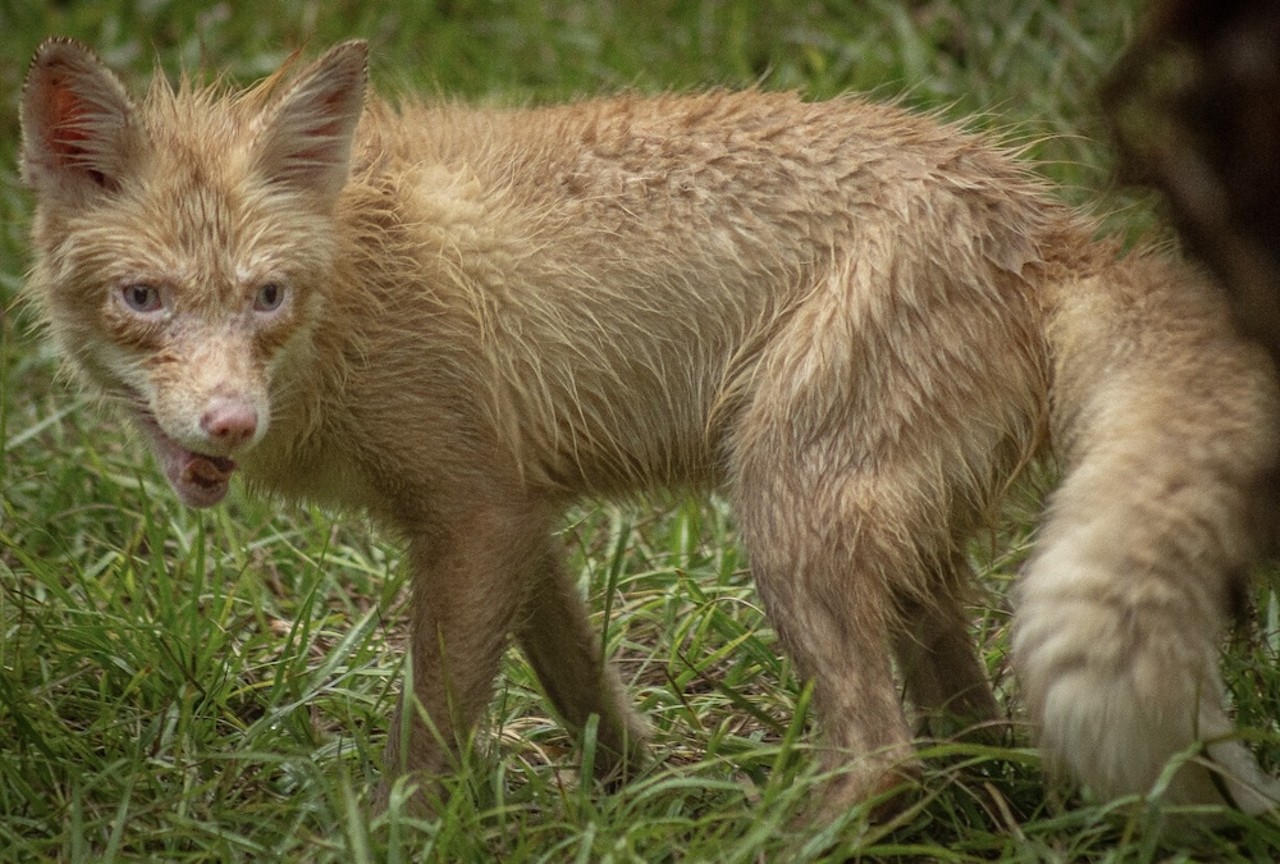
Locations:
{"points": [[861, 323]]}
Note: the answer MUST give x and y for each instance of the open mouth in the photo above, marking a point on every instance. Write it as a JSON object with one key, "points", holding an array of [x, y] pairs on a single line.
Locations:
{"points": [[199, 479]]}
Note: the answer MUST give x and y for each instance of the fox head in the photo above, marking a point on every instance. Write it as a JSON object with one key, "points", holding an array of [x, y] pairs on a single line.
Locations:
{"points": [[183, 244]]}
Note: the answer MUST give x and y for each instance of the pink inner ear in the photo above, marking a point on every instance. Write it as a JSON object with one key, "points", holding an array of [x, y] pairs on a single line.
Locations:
{"points": [[321, 152], [68, 133], [324, 133], [67, 130]]}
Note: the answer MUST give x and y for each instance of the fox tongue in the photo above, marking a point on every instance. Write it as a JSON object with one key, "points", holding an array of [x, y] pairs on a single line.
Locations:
{"points": [[200, 480]]}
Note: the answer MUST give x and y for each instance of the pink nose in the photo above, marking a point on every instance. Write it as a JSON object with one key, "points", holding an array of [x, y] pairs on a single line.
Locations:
{"points": [[230, 422]]}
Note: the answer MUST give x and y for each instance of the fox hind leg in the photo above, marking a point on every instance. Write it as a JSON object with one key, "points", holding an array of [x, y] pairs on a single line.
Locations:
{"points": [[943, 675], [825, 557]]}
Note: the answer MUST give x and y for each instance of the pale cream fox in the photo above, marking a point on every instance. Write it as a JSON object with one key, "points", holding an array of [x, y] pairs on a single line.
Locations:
{"points": [[859, 323]]}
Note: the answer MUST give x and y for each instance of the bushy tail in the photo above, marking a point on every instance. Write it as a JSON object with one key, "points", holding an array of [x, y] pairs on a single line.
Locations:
{"points": [[1166, 424]]}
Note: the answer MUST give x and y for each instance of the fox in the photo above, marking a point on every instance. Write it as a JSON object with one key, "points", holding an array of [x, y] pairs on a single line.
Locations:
{"points": [[858, 323]]}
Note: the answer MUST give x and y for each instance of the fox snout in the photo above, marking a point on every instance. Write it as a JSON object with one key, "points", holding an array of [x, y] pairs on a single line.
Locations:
{"points": [[230, 421], [197, 431]]}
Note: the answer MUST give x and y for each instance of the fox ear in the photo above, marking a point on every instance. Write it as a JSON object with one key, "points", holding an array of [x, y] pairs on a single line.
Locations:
{"points": [[305, 145], [79, 128]]}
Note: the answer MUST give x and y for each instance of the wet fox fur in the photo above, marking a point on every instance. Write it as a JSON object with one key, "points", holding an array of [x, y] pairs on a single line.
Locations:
{"points": [[859, 323]]}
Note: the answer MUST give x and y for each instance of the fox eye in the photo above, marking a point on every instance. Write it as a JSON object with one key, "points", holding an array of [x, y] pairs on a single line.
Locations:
{"points": [[269, 297], [141, 297]]}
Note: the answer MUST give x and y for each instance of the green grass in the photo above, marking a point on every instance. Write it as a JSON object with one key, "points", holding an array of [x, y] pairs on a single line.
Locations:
{"points": [[215, 686]]}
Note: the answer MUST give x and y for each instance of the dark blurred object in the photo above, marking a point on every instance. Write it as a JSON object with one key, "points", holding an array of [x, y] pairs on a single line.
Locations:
{"points": [[1195, 106]]}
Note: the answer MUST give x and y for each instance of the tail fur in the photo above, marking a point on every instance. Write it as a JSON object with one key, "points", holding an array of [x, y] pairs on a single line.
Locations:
{"points": [[1165, 421]]}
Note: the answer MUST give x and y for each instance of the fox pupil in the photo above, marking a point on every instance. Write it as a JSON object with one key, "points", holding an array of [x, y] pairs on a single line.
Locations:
{"points": [[142, 298], [269, 297]]}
